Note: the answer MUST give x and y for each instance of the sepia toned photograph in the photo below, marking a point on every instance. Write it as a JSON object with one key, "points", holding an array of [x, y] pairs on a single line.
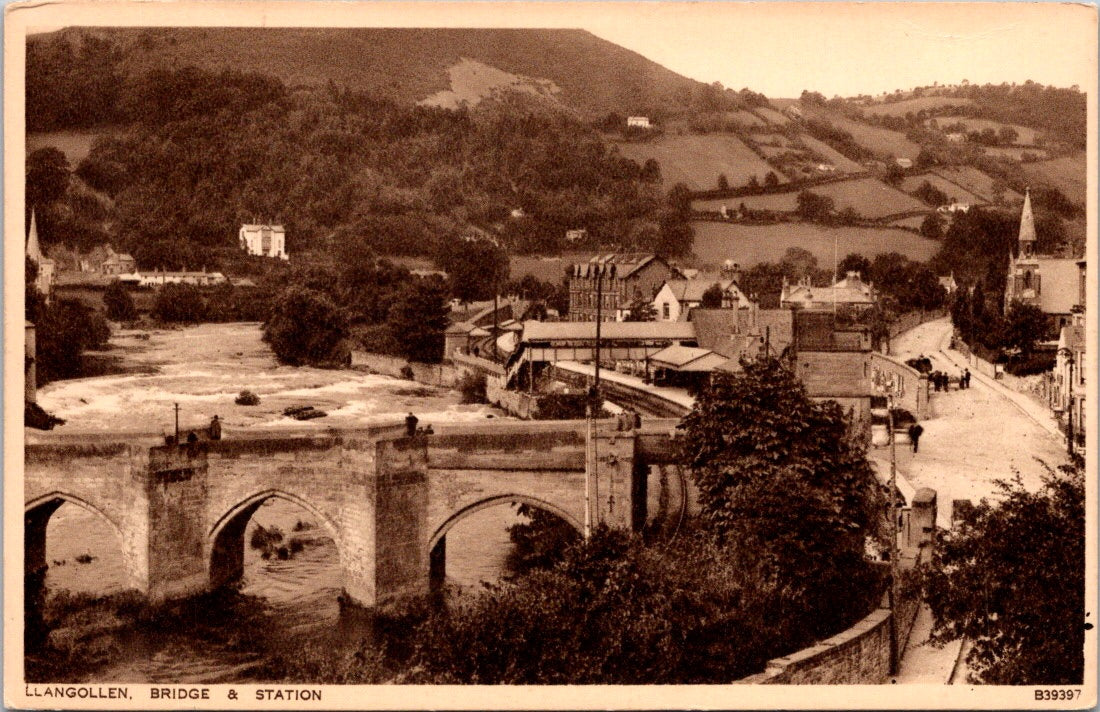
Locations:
{"points": [[650, 355]]}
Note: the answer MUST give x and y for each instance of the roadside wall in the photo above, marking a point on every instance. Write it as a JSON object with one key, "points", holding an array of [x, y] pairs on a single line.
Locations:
{"points": [[861, 655], [1036, 387]]}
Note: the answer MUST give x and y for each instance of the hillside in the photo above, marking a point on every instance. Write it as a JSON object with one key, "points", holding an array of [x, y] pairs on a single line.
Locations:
{"points": [[591, 75]]}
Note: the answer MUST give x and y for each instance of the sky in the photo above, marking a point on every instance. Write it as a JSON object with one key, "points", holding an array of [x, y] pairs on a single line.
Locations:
{"points": [[778, 48]]}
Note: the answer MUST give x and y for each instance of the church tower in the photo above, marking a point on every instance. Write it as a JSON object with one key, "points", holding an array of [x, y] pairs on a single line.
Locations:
{"points": [[1027, 229]]}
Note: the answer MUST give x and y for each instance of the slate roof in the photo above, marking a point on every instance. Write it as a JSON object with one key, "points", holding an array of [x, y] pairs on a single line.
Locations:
{"points": [[581, 330]]}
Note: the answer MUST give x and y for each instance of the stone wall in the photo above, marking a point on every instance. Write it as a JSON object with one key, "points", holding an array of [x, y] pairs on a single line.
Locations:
{"points": [[911, 320], [430, 374]]}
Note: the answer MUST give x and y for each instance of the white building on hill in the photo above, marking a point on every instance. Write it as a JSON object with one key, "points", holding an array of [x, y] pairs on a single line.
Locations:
{"points": [[264, 240]]}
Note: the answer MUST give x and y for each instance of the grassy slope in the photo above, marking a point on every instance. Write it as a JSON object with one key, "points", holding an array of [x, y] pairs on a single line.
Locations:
{"points": [[869, 196], [1067, 174], [409, 64], [901, 108], [751, 244], [698, 160]]}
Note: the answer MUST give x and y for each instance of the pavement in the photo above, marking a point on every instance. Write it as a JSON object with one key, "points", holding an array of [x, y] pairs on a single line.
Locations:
{"points": [[972, 438]]}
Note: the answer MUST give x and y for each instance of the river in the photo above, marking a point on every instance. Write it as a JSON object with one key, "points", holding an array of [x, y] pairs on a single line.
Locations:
{"points": [[203, 368]]}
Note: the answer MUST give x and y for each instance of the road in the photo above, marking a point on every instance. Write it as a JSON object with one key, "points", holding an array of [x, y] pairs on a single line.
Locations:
{"points": [[971, 439], [976, 436]]}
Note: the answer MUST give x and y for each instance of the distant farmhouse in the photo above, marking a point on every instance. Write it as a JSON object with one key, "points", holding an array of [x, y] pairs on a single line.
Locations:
{"points": [[626, 278], [1054, 284], [640, 122], [264, 240]]}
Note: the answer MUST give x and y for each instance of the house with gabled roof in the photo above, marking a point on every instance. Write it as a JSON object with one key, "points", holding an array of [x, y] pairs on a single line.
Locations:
{"points": [[677, 297]]}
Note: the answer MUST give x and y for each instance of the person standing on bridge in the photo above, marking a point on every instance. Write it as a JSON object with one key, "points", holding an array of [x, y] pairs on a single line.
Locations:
{"points": [[215, 429], [410, 424]]}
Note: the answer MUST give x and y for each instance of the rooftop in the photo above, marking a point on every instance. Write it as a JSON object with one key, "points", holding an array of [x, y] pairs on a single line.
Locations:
{"points": [[611, 330]]}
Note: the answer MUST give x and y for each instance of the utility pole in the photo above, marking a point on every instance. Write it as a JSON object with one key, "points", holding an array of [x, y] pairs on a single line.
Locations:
{"points": [[177, 408]]}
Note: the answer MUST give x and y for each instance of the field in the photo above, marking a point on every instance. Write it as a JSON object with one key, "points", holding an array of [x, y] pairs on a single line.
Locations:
{"points": [[842, 162], [1026, 135], [546, 269], [883, 142], [1066, 174], [976, 182], [901, 108], [76, 145], [1015, 153], [751, 244], [870, 197], [772, 116], [697, 161], [472, 81], [746, 118], [913, 222], [951, 190]]}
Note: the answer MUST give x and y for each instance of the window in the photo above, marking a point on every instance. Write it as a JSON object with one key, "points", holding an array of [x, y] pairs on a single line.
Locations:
{"points": [[665, 310]]}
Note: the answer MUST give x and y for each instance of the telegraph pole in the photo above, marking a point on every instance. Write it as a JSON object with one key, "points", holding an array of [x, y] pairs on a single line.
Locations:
{"points": [[177, 408]]}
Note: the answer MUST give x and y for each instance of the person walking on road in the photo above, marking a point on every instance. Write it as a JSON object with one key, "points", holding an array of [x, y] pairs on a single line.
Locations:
{"points": [[915, 431], [410, 424], [966, 378]]}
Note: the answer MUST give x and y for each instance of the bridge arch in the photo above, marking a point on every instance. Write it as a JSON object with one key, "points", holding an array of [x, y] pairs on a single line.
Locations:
{"points": [[437, 551], [36, 518], [226, 536]]}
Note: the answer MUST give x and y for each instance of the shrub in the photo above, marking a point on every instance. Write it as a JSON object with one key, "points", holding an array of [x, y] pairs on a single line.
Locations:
{"points": [[120, 305], [305, 328], [562, 406], [407, 372], [247, 397], [179, 303], [472, 387]]}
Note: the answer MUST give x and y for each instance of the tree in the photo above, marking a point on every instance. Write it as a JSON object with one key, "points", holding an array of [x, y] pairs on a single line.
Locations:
{"points": [[651, 171], [855, 262], [47, 176], [120, 305], [477, 269], [179, 302], [419, 316], [771, 180], [785, 476], [723, 182], [641, 309], [1009, 577], [812, 206], [798, 263], [305, 328], [713, 297], [1024, 325], [932, 227]]}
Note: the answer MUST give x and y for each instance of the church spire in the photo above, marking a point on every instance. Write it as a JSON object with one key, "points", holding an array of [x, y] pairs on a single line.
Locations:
{"points": [[1027, 227], [34, 251]]}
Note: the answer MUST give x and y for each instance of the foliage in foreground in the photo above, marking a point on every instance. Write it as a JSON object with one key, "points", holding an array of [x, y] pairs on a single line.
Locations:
{"points": [[1010, 578], [781, 475]]}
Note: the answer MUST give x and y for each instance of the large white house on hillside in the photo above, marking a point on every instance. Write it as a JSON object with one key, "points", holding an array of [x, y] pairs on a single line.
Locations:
{"points": [[264, 240]]}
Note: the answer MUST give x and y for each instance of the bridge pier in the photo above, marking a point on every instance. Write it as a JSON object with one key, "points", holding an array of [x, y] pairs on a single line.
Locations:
{"points": [[176, 487]]}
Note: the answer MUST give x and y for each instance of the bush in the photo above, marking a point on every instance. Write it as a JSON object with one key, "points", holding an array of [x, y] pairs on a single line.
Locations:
{"points": [[1031, 364], [179, 303], [562, 406], [120, 305], [472, 387], [407, 372], [247, 398], [305, 328]]}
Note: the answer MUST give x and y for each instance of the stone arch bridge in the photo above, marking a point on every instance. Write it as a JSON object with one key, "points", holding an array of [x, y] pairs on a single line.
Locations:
{"points": [[387, 501]]}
